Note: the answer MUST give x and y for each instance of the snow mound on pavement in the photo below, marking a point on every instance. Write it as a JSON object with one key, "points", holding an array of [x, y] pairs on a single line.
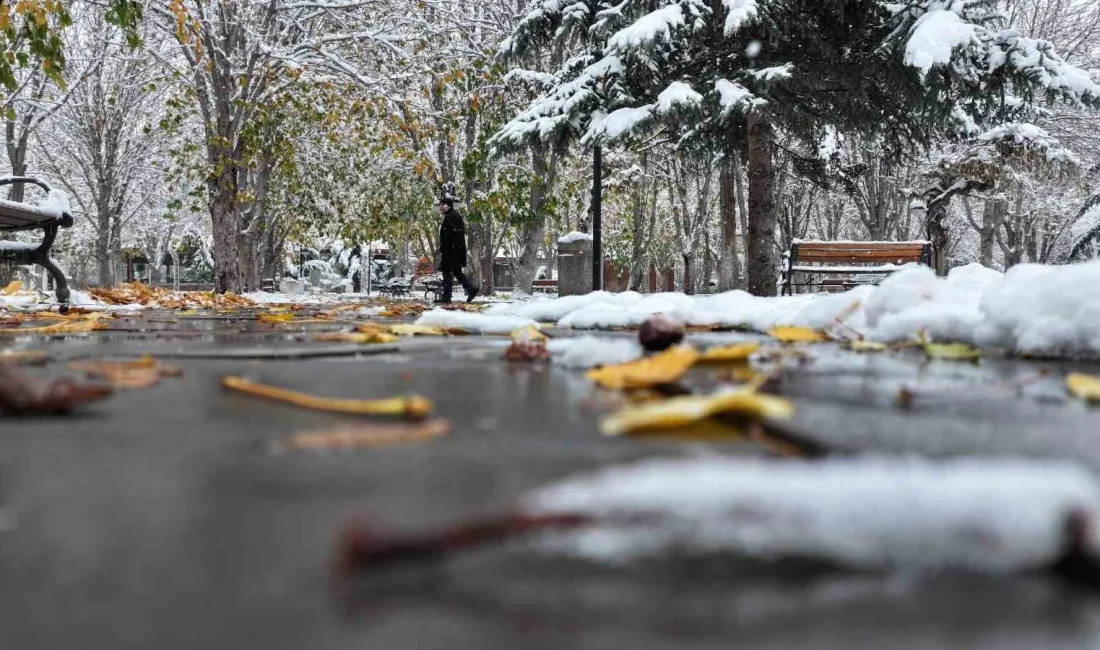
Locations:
{"points": [[1032, 309], [477, 323], [978, 514], [1044, 310], [589, 351]]}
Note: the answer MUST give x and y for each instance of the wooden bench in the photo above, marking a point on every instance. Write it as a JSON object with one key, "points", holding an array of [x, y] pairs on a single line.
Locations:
{"points": [[18, 217], [548, 286], [815, 258]]}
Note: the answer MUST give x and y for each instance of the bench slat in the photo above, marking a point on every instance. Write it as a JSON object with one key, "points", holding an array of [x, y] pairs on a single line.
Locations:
{"points": [[907, 249], [852, 260], [856, 256]]}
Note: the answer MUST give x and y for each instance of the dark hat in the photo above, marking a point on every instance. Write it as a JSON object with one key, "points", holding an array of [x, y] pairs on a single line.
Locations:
{"points": [[447, 201]]}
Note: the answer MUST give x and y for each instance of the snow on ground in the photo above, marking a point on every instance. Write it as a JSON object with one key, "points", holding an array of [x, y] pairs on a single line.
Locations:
{"points": [[979, 514], [319, 298], [589, 351], [1033, 309], [477, 323]]}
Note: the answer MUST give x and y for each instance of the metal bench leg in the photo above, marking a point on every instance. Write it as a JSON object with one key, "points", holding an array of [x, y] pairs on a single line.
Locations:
{"points": [[59, 281], [41, 257]]}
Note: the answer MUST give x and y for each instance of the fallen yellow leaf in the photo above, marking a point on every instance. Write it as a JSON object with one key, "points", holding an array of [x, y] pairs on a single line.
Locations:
{"points": [[730, 353], [414, 407], [1082, 386], [528, 334], [663, 368], [416, 330], [14, 286], [275, 318], [791, 334], [680, 411], [952, 351], [866, 346], [365, 435], [356, 337], [707, 430]]}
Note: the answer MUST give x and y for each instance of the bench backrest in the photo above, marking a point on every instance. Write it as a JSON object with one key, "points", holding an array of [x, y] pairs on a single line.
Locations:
{"points": [[842, 253]]}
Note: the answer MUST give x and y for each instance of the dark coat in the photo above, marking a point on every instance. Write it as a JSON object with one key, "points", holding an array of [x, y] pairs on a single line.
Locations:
{"points": [[452, 241]]}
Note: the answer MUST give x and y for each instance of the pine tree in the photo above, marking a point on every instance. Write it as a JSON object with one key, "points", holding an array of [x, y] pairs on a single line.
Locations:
{"points": [[730, 73]]}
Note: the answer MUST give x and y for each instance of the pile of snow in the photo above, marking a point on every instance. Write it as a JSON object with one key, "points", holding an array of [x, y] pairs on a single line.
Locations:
{"points": [[589, 351], [574, 237], [56, 203], [1032, 309], [866, 513], [477, 323], [935, 38]]}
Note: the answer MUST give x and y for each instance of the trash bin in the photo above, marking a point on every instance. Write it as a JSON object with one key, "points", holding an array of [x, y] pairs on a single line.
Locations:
{"points": [[574, 264]]}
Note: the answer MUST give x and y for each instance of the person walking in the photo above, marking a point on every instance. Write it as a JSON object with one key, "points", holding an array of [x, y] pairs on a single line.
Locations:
{"points": [[452, 251]]}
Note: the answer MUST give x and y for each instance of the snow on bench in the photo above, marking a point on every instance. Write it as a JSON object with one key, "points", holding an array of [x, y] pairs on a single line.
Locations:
{"points": [[849, 258]]}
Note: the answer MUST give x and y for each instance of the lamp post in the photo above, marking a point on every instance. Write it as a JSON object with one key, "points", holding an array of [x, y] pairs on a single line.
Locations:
{"points": [[597, 219]]}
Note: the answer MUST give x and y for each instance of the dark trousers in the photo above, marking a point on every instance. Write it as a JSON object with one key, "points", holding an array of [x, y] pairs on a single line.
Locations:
{"points": [[449, 276]]}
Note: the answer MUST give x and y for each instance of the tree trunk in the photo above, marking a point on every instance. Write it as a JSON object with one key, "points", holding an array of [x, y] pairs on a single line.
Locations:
{"points": [[763, 261], [937, 234], [689, 278], [992, 217], [729, 263], [223, 217], [743, 210], [708, 263], [532, 233]]}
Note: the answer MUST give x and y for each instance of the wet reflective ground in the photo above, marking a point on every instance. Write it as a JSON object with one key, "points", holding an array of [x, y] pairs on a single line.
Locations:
{"points": [[162, 518]]}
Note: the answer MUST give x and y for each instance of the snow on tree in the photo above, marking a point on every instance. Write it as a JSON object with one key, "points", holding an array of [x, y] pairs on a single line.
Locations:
{"points": [[1086, 230], [936, 65]]}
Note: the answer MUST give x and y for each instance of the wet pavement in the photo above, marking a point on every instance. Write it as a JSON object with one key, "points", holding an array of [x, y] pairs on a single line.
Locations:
{"points": [[163, 518]]}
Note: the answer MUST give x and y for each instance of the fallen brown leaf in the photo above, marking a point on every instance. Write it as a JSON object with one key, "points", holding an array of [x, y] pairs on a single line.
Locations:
{"points": [[23, 395], [145, 372], [24, 357], [141, 294], [67, 327], [527, 351]]}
